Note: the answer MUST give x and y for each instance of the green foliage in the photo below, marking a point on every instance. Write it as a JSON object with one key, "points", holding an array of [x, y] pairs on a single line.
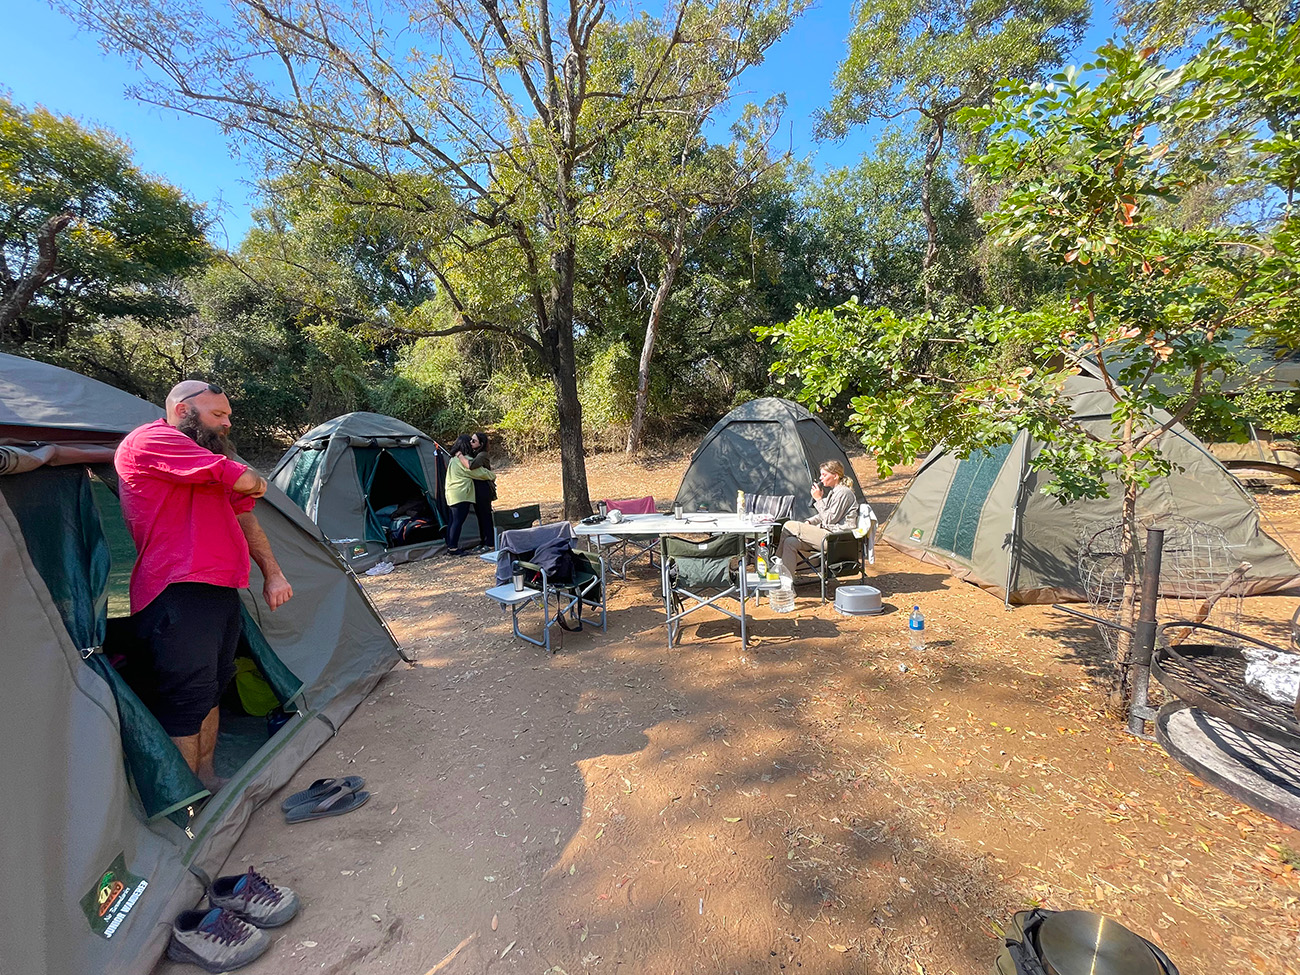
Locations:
{"points": [[942, 55], [1172, 25], [869, 234], [485, 132], [532, 422], [607, 388], [1253, 411], [1154, 310], [130, 238], [932, 60]]}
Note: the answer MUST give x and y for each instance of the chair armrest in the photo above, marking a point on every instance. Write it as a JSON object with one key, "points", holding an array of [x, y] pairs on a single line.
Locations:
{"points": [[536, 568]]}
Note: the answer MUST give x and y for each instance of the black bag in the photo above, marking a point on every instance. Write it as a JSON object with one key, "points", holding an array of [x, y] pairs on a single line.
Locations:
{"points": [[411, 531]]}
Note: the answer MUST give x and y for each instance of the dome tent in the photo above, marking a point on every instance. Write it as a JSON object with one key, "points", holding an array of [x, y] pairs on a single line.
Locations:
{"points": [[765, 446], [94, 833], [986, 519], [350, 474]]}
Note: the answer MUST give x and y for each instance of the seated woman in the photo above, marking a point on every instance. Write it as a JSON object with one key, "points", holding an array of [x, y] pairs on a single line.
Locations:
{"points": [[459, 490], [837, 510]]}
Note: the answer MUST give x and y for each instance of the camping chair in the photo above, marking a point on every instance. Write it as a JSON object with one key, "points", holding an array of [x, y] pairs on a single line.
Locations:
{"points": [[697, 574], [768, 509], [505, 519], [540, 552], [629, 549], [843, 554]]}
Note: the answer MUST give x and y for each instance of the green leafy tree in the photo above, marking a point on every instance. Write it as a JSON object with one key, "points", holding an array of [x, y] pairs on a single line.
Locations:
{"points": [[870, 230], [936, 58], [1086, 170], [84, 235], [755, 267], [1172, 25], [693, 187], [475, 122]]}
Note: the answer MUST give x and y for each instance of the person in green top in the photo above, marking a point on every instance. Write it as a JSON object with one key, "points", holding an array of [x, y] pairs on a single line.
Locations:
{"points": [[485, 491], [458, 488]]}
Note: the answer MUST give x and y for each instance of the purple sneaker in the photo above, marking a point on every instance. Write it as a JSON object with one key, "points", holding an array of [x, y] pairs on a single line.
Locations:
{"points": [[215, 940], [254, 899]]}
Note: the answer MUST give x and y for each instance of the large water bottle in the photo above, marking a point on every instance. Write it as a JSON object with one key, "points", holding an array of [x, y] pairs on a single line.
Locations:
{"points": [[916, 629], [781, 599]]}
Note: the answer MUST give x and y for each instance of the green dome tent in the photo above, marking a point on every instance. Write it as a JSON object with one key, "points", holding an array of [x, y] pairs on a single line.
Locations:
{"points": [[103, 835], [351, 475], [765, 446], [986, 519]]}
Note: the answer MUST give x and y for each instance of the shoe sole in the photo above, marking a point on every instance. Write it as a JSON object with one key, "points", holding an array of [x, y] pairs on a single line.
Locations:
{"points": [[179, 952]]}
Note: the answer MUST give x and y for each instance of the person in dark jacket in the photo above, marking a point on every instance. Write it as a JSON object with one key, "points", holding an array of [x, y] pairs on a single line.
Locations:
{"points": [[485, 492], [458, 488]]}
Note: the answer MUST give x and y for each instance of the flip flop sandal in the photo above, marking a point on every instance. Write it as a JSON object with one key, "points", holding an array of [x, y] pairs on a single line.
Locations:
{"points": [[336, 802], [320, 787]]}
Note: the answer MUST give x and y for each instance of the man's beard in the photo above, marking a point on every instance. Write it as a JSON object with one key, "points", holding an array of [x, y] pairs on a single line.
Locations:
{"points": [[216, 441]]}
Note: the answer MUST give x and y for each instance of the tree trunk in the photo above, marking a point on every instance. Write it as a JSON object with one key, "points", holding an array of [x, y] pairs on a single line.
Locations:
{"points": [[47, 251], [673, 261], [1122, 677], [932, 150], [564, 374]]}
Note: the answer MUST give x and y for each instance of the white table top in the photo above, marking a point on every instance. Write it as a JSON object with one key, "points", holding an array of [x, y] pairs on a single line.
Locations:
{"points": [[692, 523]]}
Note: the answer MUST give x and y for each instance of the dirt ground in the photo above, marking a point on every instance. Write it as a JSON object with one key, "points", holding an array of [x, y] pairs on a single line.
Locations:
{"points": [[829, 801]]}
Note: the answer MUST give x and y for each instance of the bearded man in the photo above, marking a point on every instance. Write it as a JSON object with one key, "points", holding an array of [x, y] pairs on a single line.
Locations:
{"points": [[189, 507]]}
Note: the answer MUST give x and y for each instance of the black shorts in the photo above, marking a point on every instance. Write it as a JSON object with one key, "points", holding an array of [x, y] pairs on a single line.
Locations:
{"points": [[187, 639]]}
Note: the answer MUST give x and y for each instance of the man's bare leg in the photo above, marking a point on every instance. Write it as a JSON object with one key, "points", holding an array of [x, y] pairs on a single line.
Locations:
{"points": [[207, 747]]}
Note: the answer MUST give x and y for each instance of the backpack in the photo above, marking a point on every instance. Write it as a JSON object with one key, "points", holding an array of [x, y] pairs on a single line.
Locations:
{"points": [[411, 529]]}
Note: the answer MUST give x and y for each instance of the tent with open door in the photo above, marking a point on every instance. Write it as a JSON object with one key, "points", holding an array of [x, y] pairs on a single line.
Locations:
{"points": [[765, 446], [363, 477], [104, 832], [987, 520]]}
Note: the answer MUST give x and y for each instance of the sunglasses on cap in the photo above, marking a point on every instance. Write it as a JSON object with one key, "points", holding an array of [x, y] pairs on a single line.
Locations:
{"points": [[210, 388]]}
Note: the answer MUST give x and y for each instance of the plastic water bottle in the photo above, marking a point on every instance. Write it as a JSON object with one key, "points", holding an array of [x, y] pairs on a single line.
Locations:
{"points": [[916, 629], [781, 599], [740, 503]]}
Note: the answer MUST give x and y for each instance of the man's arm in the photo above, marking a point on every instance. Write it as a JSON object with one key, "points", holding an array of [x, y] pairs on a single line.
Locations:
{"points": [[276, 589], [252, 484]]}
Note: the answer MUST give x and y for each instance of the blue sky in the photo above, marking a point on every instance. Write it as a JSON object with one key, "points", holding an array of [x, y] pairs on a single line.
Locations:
{"points": [[65, 71]]}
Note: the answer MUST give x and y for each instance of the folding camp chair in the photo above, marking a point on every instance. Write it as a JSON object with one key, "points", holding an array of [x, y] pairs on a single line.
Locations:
{"points": [[535, 551], [622, 550], [697, 574], [843, 554], [506, 519], [768, 509]]}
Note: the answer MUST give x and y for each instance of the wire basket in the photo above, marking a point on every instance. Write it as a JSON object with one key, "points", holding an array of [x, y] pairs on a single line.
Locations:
{"points": [[1200, 577]]}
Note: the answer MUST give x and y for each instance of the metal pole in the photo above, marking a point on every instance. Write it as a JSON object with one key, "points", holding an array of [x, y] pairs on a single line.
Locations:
{"points": [[1144, 634]]}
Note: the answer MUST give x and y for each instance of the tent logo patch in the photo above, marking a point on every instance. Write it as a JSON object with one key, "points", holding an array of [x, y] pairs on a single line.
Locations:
{"points": [[107, 905], [916, 534]]}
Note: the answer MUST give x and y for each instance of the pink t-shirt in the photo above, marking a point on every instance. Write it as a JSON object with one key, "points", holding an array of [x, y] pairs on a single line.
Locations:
{"points": [[177, 502]]}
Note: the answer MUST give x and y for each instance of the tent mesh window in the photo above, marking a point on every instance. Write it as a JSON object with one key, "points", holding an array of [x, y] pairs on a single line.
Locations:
{"points": [[303, 477], [960, 519], [1200, 577]]}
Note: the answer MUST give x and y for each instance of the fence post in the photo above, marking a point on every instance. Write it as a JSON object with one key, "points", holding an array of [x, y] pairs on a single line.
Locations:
{"points": [[1144, 634]]}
